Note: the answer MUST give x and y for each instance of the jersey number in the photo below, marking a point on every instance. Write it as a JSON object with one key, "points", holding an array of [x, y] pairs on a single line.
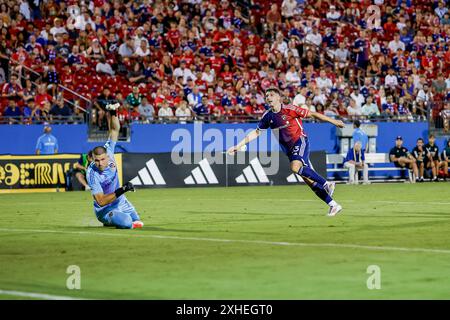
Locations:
{"points": [[374, 20]]}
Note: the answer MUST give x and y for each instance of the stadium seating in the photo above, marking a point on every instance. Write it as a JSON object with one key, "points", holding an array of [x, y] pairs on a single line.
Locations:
{"points": [[292, 24], [378, 162]]}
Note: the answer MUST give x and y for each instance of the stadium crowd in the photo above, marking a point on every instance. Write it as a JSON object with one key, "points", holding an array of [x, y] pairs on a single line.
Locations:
{"points": [[179, 60]]}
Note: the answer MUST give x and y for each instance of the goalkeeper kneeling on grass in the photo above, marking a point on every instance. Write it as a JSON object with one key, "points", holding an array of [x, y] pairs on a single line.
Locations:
{"points": [[110, 204]]}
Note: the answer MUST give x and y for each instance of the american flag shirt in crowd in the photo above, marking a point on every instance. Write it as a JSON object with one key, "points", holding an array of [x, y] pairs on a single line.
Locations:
{"points": [[52, 77], [402, 109]]}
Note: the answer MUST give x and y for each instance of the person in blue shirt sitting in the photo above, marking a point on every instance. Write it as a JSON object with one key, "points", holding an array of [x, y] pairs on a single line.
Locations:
{"points": [[354, 161], [13, 112], [202, 107]]}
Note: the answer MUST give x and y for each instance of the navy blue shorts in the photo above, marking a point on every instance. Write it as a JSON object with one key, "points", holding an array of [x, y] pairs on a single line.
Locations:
{"points": [[300, 151]]}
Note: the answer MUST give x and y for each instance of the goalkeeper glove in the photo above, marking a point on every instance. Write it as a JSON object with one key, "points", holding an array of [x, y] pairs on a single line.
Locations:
{"points": [[125, 188], [112, 108]]}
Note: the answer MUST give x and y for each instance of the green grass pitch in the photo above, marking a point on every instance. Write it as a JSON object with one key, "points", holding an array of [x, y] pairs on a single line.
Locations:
{"points": [[233, 243]]}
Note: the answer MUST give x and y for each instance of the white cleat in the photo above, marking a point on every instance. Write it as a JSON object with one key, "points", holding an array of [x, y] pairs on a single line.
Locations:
{"points": [[334, 210], [329, 188]]}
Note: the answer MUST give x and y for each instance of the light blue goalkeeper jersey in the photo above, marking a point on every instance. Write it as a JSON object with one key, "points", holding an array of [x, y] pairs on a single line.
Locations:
{"points": [[106, 181]]}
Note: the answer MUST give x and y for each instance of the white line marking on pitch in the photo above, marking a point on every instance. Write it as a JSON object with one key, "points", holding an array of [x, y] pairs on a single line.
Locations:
{"points": [[36, 295], [267, 199], [409, 202], [273, 243]]}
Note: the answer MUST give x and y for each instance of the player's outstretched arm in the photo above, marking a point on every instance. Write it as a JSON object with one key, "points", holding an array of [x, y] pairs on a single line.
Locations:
{"points": [[105, 199], [115, 128], [250, 137], [114, 123], [322, 117]]}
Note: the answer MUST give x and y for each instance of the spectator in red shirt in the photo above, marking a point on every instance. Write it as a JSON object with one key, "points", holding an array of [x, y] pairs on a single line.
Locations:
{"points": [[187, 32], [188, 56], [36, 61], [430, 62], [123, 114], [216, 62], [221, 37], [42, 97], [390, 28], [273, 18], [226, 74], [12, 89], [252, 39], [173, 37]]}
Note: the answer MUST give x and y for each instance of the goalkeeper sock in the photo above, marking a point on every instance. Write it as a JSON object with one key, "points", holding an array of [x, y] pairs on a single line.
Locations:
{"points": [[134, 216]]}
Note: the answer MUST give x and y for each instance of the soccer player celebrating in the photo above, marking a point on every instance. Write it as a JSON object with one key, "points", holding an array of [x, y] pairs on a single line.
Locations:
{"points": [[293, 140], [110, 204]]}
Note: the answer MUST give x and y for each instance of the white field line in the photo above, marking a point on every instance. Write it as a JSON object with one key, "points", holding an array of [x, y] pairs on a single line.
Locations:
{"points": [[36, 295], [272, 243], [262, 199], [409, 202]]}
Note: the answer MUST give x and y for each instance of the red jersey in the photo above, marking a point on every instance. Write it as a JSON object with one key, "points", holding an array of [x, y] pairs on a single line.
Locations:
{"points": [[174, 36], [123, 115], [215, 109], [227, 76], [135, 115], [429, 62], [189, 58], [251, 40], [42, 98], [216, 63], [289, 123]]}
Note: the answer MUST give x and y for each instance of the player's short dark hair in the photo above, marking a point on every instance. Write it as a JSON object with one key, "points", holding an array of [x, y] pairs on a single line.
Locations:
{"points": [[357, 123], [431, 136], [419, 139], [273, 89], [97, 151]]}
